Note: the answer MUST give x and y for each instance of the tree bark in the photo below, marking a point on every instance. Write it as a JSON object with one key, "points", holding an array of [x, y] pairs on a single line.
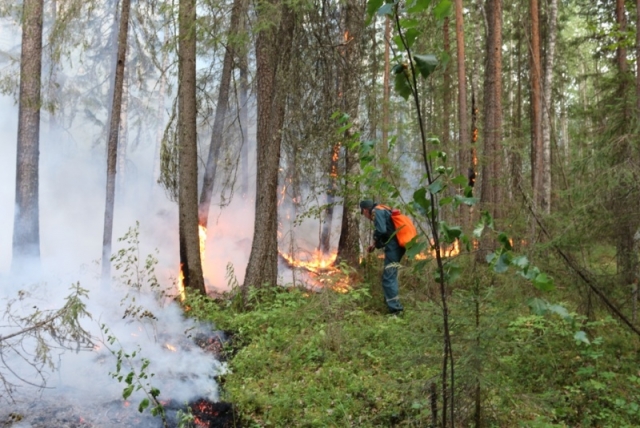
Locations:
{"points": [[624, 204], [244, 125], [349, 242], [537, 150], [462, 86], [386, 95], [112, 143], [188, 140], [217, 133], [325, 232], [490, 195], [123, 136], [273, 47], [545, 200], [638, 58], [446, 94], [26, 226]]}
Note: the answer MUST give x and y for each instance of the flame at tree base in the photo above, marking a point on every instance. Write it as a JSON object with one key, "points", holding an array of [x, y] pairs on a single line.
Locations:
{"points": [[202, 237]]}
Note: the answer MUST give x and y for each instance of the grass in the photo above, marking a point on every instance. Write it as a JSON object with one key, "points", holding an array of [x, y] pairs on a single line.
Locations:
{"points": [[305, 359]]}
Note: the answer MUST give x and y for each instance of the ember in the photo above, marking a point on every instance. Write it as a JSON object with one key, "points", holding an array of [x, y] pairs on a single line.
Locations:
{"points": [[207, 414]]}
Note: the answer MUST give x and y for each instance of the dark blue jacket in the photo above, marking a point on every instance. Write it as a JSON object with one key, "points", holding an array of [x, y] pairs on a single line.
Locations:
{"points": [[384, 229]]}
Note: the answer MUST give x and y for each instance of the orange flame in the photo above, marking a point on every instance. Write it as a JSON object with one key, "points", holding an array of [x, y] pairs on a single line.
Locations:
{"points": [[321, 266], [181, 291], [202, 237], [318, 261], [446, 252]]}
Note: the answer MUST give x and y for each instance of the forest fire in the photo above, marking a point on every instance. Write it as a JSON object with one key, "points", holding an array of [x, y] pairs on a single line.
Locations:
{"points": [[446, 252], [208, 414], [202, 236], [321, 269]]}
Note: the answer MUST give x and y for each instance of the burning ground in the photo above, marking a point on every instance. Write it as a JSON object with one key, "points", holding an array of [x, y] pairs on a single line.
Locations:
{"points": [[136, 339]]}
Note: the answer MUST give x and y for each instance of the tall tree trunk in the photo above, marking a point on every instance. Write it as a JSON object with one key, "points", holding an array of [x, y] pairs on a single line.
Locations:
{"points": [[112, 144], [545, 200], [490, 195], [273, 47], [638, 59], [53, 87], [123, 136], [462, 88], [191, 263], [26, 226], [332, 91], [386, 95], [327, 222], [244, 125], [624, 205], [516, 158], [349, 243], [217, 133], [446, 79], [537, 157], [160, 115]]}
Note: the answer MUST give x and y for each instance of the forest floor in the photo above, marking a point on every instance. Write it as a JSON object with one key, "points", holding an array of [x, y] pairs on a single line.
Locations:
{"points": [[330, 358]]}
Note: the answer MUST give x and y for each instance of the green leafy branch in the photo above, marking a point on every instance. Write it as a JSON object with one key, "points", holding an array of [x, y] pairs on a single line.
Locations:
{"points": [[135, 379]]}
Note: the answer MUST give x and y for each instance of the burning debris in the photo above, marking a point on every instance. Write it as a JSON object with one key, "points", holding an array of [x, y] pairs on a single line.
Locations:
{"points": [[90, 404], [118, 413], [213, 415]]}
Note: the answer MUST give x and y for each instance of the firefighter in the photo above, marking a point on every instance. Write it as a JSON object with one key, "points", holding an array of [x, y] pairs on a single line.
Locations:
{"points": [[393, 252]]}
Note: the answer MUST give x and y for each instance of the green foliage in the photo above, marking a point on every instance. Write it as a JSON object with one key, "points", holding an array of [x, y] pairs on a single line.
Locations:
{"points": [[132, 370], [30, 337], [328, 359], [136, 277]]}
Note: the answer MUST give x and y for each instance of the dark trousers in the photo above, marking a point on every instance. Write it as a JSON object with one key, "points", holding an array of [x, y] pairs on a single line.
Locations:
{"points": [[390, 277]]}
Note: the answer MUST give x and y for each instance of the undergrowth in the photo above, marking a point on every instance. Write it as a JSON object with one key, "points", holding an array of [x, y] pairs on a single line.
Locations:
{"points": [[322, 359]]}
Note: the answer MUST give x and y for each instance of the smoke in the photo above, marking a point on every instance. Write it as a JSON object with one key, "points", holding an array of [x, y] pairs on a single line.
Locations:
{"points": [[71, 201], [72, 197]]}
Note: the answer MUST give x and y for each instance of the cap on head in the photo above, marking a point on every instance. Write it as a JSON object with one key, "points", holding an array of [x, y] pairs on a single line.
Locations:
{"points": [[366, 205]]}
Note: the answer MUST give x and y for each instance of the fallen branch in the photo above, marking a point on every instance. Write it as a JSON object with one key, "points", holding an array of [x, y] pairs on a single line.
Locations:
{"points": [[573, 265]]}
